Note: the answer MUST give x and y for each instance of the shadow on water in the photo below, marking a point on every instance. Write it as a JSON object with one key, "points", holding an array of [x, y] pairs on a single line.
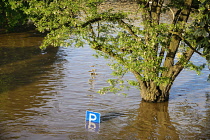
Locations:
{"points": [[22, 60], [110, 115]]}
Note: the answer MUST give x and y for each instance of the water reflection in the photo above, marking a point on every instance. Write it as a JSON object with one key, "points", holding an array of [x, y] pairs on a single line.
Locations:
{"points": [[205, 131], [21, 60], [152, 122], [22, 64]]}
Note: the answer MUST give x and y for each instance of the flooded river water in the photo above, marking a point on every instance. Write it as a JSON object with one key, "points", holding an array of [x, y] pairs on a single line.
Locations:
{"points": [[45, 94]]}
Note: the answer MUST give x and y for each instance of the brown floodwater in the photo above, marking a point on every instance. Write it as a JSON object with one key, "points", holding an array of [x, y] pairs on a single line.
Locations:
{"points": [[45, 94]]}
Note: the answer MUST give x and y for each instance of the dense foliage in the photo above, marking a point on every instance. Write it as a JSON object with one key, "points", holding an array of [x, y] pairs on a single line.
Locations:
{"points": [[153, 49], [12, 14]]}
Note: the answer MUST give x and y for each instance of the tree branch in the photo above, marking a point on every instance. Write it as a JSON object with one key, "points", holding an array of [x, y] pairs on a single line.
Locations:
{"points": [[91, 21], [108, 51], [187, 42], [128, 28], [103, 16]]}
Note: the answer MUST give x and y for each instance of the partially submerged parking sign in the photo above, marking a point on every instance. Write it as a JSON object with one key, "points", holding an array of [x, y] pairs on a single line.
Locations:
{"points": [[92, 121], [93, 117]]}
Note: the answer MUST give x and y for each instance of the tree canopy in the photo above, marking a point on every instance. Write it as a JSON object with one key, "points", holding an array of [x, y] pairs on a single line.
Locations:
{"points": [[154, 49]]}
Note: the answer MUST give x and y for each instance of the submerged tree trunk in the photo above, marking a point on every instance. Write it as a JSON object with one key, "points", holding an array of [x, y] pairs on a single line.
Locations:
{"points": [[150, 92]]}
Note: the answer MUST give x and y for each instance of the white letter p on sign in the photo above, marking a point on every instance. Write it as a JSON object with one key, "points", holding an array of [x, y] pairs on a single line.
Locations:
{"points": [[92, 117]]}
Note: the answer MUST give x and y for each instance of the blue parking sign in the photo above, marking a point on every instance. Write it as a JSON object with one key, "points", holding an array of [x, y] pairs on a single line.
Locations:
{"points": [[93, 116]]}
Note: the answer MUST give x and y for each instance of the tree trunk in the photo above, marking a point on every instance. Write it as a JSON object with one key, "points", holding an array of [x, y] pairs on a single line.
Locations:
{"points": [[151, 92]]}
